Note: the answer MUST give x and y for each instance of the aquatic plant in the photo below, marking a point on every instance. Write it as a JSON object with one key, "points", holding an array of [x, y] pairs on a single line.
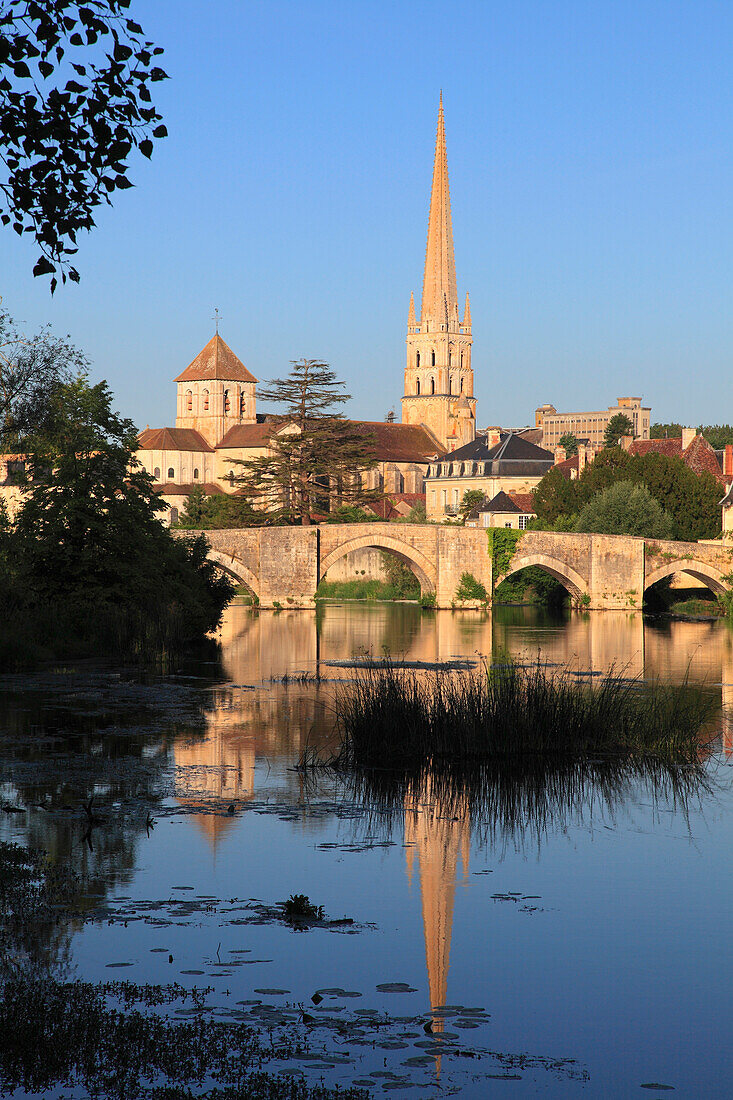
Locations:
{"points": [[300, 906], [394, 717]]}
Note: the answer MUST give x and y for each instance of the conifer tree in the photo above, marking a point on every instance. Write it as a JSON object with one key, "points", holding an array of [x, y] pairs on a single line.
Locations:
{"points": [[316, 456]]}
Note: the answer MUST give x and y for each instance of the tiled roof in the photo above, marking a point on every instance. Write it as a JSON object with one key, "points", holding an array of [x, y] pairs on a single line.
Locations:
{"points": [[172, 439], [399, 442], [511, 503], [510, 448], [524, 502], [216, 360], [173, 489], [567, 466], [699, 455], [389, 508], [248, 435]]}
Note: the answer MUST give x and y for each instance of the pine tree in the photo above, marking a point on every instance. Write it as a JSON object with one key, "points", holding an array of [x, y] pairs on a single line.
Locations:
{"points": [[618, 426], [316, 456]]}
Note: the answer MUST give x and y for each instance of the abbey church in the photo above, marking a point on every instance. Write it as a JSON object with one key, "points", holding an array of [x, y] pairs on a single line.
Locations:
{"points": [[217, 422]]}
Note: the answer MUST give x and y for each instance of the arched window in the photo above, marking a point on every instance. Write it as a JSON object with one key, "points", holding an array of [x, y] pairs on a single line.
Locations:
{"points": [[156, 473], [195, 474], [227, 403], [189, 400], [417, 387], [417, 359], [432, 358], [174, 515], [461, 362], [242, 403], [432, 385], [461, 385], [206, 400], [171, 473]]}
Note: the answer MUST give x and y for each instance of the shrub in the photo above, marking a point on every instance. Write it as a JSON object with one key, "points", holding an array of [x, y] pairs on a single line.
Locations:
{"points": [[471, 589]]}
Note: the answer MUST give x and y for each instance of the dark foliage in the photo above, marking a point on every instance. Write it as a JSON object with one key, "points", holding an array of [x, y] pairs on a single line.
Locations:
{"points": [[391, 717], [29, 369], [75, 101], [217, 512], [570, 443], [691, 499], [87, 542]]}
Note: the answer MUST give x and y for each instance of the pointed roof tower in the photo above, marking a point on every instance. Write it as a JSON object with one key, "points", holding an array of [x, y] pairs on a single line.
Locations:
{"points": [[216, 360], [439, 280]]}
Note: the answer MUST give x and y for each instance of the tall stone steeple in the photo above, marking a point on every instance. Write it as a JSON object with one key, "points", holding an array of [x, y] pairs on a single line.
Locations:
{"points": [[438, 372]]}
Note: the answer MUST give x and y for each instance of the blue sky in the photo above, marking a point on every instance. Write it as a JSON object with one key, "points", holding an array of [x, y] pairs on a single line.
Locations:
{"points": [[590, 148]]}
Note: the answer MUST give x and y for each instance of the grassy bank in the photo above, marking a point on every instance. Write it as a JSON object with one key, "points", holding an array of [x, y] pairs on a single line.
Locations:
{"points": [[391, 717], [364, 590], [696, 609]]}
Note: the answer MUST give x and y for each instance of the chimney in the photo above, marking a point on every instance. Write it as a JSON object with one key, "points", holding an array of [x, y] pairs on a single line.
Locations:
{"points": [[582, 458], [560, 454], [728, 461], [626, 441], [688, 434], [493, 437]]}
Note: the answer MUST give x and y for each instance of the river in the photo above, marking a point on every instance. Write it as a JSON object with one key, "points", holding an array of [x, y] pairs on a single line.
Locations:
{"points": [[576, 943]]}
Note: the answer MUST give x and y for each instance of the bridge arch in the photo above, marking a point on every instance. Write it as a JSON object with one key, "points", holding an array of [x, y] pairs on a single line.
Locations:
{"points": [[236, 569], [422, 567], [702, 571], [562, 572]]}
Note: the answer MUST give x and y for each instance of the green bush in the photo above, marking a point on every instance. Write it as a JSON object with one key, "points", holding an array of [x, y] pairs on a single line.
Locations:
{"points": [[471, 589]]}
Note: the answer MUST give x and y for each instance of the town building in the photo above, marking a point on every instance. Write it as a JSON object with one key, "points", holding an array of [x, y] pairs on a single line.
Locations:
{"points": [[591, 426], [491, 464], [513, 510], [438, 374], [217, 426]]}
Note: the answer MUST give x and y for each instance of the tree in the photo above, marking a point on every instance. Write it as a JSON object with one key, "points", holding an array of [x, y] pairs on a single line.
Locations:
{"points": [[217, 511], [618, 426], [691, 499], [665, 431], [570, 443], [472, 498], [87, 534], [29, 370], [717, 435], [75, 101], [626, 508], [316, 456]]}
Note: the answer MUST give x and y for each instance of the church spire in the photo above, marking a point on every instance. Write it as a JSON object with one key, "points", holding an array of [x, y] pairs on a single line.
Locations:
{"points": [[439, 281]]}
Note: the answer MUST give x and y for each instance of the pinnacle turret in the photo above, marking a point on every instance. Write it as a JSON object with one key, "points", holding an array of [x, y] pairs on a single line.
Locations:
{"points": [[411, 319], [466, 322]]}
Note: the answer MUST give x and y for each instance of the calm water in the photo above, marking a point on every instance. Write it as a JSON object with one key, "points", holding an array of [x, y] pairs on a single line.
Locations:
{"points": [[591, 925]]}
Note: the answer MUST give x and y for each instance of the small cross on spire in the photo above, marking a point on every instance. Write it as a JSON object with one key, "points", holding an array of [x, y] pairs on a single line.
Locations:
{"points": [[216, 318]]}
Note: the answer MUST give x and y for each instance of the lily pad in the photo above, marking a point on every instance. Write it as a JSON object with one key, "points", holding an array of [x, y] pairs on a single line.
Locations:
{"points": [[396, 987]]}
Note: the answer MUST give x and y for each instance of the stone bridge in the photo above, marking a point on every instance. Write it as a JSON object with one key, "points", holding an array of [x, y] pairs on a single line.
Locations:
{"points": [[283, 566], [614, 571]]}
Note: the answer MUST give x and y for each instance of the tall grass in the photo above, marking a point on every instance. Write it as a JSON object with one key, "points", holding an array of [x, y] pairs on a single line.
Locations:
{"points": [[394, 718]]}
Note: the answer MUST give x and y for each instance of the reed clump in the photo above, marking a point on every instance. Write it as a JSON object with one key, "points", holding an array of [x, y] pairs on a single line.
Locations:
{"points": [[394, 718]]}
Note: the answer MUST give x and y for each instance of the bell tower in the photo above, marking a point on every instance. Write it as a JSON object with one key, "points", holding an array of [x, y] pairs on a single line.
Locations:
{"points": [[438, 374]]}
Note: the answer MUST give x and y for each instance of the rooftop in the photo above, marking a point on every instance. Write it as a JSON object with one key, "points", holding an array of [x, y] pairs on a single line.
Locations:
{"points": [[216, 361]]}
